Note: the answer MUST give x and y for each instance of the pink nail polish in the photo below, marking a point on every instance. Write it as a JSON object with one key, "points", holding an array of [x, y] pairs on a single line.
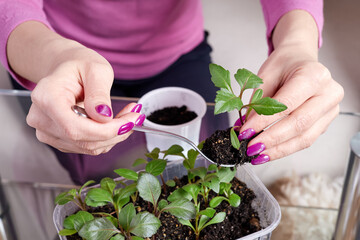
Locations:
{"points": [[137, 108], [104, 110], [255, 149], [126, 128], [140, 120], [263, 158], [247, 134], [238, 122]]}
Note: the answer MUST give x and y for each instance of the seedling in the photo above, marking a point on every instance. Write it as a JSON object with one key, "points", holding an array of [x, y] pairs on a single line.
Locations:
{"points": [[226, 100]]}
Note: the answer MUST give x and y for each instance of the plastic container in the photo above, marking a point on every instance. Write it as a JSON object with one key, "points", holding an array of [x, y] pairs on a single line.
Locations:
{"points": [[264, 203], [170, 97]]}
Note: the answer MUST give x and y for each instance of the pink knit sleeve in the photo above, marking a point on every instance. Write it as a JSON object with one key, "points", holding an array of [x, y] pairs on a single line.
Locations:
{"points": [[275, 9], [13, 13]]}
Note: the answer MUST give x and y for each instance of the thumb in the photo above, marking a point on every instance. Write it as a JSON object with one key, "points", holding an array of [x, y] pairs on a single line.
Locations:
{"points": [[97, 84]]}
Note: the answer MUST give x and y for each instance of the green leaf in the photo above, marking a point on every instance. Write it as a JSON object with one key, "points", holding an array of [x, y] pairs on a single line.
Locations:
{"points": [[220, 76], [225, 174], [226, 101], [212, 167], [247, 79], [234, 139], [214, 184], [174, 150], [199, 172], [156, 167], [136, 238], [154, 154], [202, 221], [98, 229], [216, 201], [171, 183], [63, 198], [113, 220], [144, 225], [85, 185], [225, 187], [127, 173], [119, 237], [234, 200], [73, 192], [67, 232], [186, 223], [126, 215], [192, 155], [217, 219], [181, 208], [162, 203], [108, 184], [267, 106], [179, 193], [98, 197], [69, 222], [82, 217], [149, 188], [127, 191], [209, 212], [257, 95], [193, 190], [139, 161]]}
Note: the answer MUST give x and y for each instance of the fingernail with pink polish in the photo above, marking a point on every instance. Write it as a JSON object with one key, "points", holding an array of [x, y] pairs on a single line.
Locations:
{"points": [[104, 110], [126, 128], [247, 134], [140, 120], [238, 122], [263, 158], [137, 108], [255, 149]]}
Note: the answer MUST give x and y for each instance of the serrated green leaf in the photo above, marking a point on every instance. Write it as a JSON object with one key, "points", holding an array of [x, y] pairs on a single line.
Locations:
{"points": [[139, 161], [63, 198], [209, 212], [127, 173], [82, 217], [220, 76], [126, 215], [144, 225], [69, 222], [267, 106], [156, 167], [181, 208], [154, 154], [98, 229], [149, 188], [174, 150], [217, 219], [234, 200], [257, 95], [98, 197], [179, 193], [234, 139], [171, 183], [186, 223], [247, 79], [108, 184], [67, 232], [226, 101], [216, 201]]}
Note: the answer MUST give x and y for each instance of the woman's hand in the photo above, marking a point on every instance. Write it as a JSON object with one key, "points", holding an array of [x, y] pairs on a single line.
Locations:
{"points": [[68, 73], [293, 76]]}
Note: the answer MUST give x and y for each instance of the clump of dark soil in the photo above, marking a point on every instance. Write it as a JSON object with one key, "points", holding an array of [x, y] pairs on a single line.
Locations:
{"points": [[219, 149], [172, 115], [240, 221]]}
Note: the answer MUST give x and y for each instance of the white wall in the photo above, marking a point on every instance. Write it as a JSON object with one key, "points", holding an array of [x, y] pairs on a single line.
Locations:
{"points": [[237, 34]]}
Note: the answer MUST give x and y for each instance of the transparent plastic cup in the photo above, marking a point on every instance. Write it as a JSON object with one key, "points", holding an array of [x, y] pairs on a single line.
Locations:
{"points": [[170, 97]]}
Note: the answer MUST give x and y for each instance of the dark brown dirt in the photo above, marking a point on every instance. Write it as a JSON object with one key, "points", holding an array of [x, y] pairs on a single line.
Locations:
{"points": [[219, 149], [172, 116], [239, 222]]}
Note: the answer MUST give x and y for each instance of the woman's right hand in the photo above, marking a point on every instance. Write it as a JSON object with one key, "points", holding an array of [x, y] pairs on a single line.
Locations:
{"points": [[69, 73]]}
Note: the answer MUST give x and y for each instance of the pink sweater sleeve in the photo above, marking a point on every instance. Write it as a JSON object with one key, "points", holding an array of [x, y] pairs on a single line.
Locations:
{"points": [[12, 14], [275, 9]]}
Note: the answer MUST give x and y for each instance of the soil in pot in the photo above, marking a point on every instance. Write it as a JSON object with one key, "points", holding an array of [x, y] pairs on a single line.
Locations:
{"points": [[239, 222], [172, 115], [219, 149]]}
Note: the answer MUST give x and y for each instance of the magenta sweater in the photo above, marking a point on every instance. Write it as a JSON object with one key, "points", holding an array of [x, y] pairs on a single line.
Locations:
{"points": [[138, 38]]}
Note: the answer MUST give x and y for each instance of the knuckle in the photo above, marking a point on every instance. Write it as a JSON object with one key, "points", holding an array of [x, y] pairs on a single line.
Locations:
{"points": [[301, 123], [40, 136], [289, 102], [71, 134], [305, 142]]}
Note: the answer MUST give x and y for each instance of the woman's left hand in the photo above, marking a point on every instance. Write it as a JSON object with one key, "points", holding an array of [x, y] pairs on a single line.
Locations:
{"points": [[312, 96]]}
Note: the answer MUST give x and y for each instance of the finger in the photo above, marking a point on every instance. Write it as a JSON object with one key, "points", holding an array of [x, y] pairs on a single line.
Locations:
{"points": [[302, 141], [98, 79], [131, 107]]}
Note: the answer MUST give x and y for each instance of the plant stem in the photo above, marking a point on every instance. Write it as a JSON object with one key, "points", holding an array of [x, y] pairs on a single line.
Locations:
{"points": [[164, 184]]}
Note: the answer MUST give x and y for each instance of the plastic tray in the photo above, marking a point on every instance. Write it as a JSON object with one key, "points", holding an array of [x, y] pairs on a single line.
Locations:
{"points": [[264, 203]]}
